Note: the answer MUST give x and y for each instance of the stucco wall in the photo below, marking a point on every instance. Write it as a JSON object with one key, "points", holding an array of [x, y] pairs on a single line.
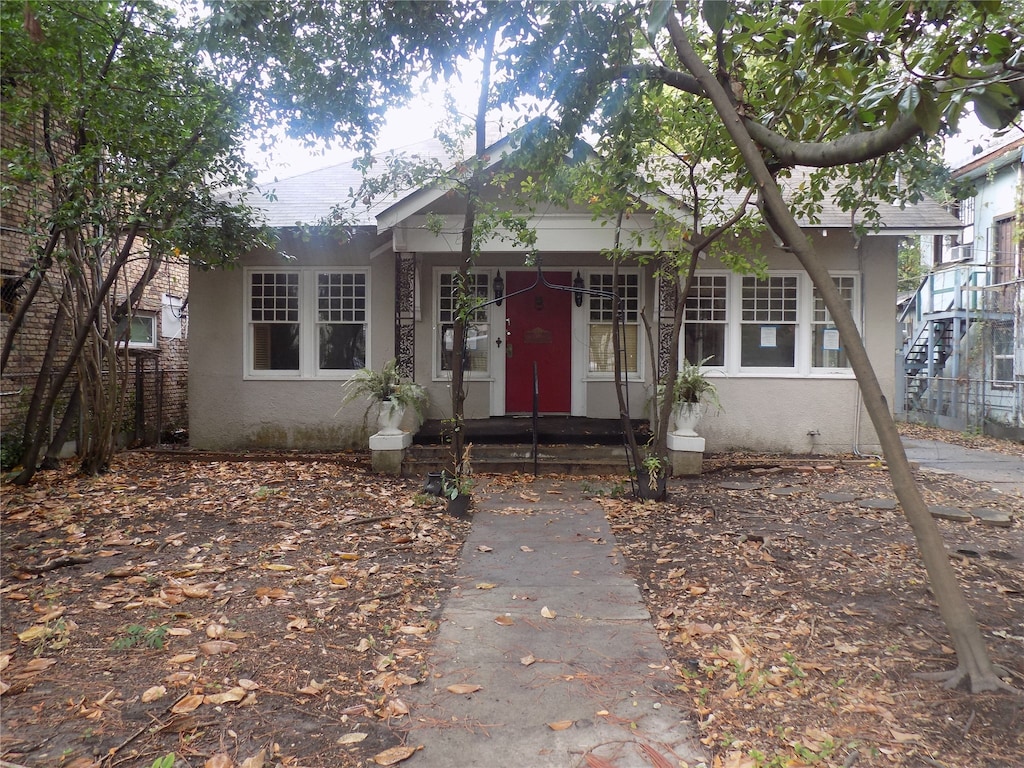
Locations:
{"points": [[768, 413], [228, 411]]}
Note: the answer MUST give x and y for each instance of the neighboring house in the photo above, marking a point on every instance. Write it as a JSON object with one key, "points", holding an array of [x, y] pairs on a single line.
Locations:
{"points": [[158, 349], [277, 337], [963, 355]]}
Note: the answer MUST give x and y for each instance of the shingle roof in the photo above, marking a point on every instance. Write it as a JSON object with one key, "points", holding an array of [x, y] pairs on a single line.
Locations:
{"points": [[310, 197]]}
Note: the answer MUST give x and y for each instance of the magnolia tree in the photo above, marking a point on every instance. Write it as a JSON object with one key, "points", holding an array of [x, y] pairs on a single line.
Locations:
{"points": [[131, 144], [738, 94]]}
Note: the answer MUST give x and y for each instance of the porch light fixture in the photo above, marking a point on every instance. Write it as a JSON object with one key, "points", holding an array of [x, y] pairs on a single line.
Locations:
{"points": [[499, 288], [577, 289]]}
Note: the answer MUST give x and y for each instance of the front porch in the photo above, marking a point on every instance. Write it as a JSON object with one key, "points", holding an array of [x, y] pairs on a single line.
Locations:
{"points": [[506, 444]]}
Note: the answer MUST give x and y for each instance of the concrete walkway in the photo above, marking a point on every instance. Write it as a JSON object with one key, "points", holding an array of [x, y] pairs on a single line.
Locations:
{"points": [[1001, 472], [546, 623]]}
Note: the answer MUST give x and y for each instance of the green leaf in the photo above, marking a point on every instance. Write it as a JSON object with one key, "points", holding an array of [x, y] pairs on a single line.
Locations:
{"points": [[993, 110], [715, 13], [909, 99], [660, 10], [998, 45]]}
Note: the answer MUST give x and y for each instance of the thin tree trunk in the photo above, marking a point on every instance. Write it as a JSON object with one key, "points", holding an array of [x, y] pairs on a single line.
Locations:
{"points": [[974, 666]]}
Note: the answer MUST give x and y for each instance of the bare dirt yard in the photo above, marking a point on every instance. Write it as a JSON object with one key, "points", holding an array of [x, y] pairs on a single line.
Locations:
{"points": [[257, 613]]}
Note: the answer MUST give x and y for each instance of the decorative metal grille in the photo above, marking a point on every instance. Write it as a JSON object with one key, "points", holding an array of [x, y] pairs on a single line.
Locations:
{"points": [[405, 314], [666, 315]]}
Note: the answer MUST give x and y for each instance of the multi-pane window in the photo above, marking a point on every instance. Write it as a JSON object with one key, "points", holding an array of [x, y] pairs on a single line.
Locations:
{"points": [[705, 318], [1002, 355], [478, 327], [341, 320], [274, 318], [769, 314], [307, 322], [826, 351], [601, 314]]}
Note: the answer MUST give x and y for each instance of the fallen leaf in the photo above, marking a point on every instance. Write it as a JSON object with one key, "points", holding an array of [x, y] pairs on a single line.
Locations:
{"points": [[505, 620], [411, 629], [188, 704], [525, 548], [182, 658], [527, 660], [234, 694], [256, 761], [38, 665], [903, 738], [547, 613], [485, 548], [394, 755], [217, 647], [279, 567], [352, 738], [485, 585], [154, 693], [33, 634], [313, 689], [219, 760], [561, 725], [463, 688]]}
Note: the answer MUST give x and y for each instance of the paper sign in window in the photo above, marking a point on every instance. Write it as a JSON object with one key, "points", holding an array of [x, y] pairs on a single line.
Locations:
{"points": [[768, 336], [830, 339]]}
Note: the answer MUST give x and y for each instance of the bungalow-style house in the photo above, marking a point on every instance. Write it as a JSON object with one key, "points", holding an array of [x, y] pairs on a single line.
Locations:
{"points": [[963, 355], [276, 339]]}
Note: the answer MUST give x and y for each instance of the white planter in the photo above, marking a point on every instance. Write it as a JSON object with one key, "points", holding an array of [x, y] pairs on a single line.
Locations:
{"points": [[389, 418], [686, 417]]}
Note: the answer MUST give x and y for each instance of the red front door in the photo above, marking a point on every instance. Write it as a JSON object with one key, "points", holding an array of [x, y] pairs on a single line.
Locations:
{"points": [[539, 325]]}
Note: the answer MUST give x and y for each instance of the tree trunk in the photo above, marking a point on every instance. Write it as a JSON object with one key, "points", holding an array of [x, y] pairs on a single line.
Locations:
{"points": [[974, 666]]}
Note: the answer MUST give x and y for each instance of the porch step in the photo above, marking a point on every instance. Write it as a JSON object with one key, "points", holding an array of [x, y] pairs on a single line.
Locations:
{"points": [[488, 458]]}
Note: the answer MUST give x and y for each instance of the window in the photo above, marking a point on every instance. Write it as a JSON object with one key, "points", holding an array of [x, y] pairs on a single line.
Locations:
{"points": [[141, 334], [341, 320], [478, 328], [1002, 356], [704, 319], [308, 322], [826, 351], [769, 322], [1007, 253], [601, 313]]}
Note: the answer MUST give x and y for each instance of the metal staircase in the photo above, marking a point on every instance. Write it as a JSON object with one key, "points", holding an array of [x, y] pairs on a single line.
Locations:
{"points": [[937, 324]]}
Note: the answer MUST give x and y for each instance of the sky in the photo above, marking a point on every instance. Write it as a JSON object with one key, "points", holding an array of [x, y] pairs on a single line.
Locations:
{"points": [[417, 122]]}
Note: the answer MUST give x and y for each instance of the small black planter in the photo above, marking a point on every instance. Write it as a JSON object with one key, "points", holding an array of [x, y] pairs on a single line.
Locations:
{"points": [[643, 485], [432, 484], [459, 506]]}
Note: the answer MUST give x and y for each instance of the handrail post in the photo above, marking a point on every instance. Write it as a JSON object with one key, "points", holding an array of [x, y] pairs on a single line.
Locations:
{"points": [[536, 410]]}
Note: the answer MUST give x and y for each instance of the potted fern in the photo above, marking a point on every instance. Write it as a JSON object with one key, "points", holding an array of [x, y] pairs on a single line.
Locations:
{"points": [[392, 393], [692, 392]]}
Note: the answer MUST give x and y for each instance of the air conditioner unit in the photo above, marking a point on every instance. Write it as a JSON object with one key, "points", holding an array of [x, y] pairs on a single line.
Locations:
{"points": [[961, 252]]}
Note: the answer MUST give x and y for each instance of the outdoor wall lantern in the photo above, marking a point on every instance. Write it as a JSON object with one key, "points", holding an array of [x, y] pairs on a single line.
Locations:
{"points": [[577, 287], [499, 288]]}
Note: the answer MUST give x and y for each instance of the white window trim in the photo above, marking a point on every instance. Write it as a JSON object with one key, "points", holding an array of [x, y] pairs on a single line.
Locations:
{"points": [[308, 357], [729, 314], [437, 372], [154, 330], [802, 367], [801, 357], [828, 371], [641, 342]]}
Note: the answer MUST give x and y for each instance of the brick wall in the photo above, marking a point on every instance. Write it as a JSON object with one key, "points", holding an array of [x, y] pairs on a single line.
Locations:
{"points": [[165, 398]]}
